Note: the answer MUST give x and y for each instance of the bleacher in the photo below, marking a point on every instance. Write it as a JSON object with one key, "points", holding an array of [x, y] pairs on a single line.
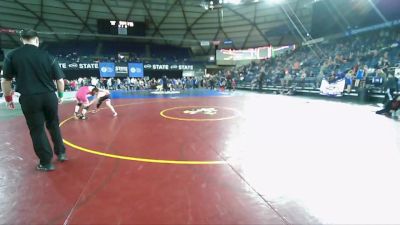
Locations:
{"points": [[376, 55]]}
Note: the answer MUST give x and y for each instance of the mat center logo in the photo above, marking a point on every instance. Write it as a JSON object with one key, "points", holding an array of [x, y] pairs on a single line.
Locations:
{"points": [[205, 111]]}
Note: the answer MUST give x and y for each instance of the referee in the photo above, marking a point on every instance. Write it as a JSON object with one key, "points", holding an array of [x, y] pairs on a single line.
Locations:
{"points": [[35, 71]]}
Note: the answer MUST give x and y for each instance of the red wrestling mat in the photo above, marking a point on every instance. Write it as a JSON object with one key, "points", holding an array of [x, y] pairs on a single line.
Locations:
{"points": [[92, 188], [214, 160]]}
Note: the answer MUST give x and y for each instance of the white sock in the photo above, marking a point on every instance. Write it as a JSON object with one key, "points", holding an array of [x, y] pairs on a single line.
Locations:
{"points": [[77, 108]]}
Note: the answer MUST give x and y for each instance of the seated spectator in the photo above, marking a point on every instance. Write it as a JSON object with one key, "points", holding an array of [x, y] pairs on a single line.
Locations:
{"points": [[379, 79], [349, 77], [287, 79], [360, 76], [332, 77]]}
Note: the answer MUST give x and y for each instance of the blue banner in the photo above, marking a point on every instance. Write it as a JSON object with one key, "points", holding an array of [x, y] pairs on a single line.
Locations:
{"points": [[107, 69], [228, 42], [135, 69]]}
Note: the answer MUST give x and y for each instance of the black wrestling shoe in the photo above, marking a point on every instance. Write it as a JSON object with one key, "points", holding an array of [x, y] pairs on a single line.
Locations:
{"points": [[83, 117], [77, 115], [62, 157], [381, 112], [45, 168]]}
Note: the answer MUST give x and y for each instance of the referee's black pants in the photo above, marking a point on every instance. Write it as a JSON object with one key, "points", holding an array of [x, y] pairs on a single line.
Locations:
{"points": [[41, 109]]}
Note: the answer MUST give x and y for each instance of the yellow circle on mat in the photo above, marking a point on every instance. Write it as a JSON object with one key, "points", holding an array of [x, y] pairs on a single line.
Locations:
{"points": [[148, 160], [163, 114]]}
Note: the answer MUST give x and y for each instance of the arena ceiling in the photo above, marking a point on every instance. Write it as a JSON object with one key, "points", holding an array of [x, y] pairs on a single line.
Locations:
{"points": [[178, 22]]}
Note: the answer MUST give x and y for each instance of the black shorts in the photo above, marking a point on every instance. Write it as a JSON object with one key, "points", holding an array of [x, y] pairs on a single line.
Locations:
{"points": [[102, 99]]}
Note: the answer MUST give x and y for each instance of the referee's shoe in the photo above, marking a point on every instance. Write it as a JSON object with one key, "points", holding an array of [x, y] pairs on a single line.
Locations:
{"points": [[46, 168], [62, 157]]}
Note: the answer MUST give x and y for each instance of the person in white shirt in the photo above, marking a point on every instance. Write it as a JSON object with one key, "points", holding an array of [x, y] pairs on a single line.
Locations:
{"points": [[103, 95]]}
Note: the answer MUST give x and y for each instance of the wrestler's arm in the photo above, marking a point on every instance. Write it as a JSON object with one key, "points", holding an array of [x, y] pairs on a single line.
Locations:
{"points": [[94, 101]]}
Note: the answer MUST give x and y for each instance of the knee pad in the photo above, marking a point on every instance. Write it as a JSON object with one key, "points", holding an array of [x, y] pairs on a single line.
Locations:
{"points": [[79, 104]]}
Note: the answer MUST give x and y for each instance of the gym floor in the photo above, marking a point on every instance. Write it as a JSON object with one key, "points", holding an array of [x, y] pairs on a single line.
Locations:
{"points": [[205, 157]]}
